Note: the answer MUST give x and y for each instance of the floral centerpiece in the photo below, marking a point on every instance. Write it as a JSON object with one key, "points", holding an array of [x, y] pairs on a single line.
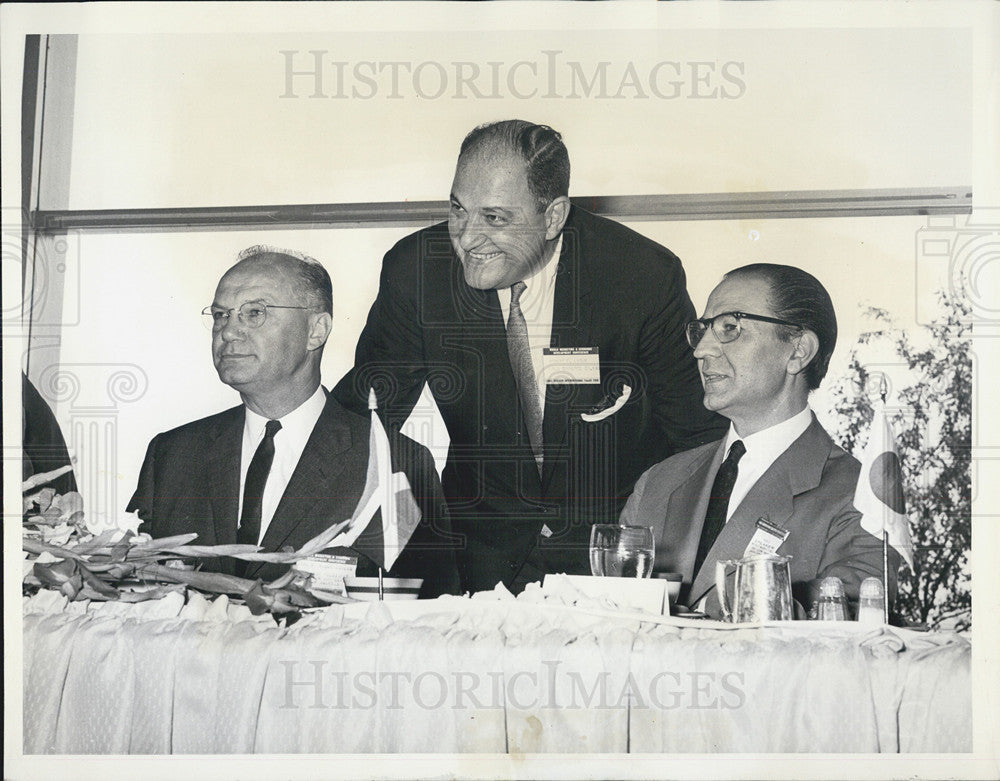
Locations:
{"points": [[63, 554]]}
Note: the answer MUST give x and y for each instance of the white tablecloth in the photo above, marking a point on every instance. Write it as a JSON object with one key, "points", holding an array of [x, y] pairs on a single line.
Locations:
{"points": [[459, 675]]}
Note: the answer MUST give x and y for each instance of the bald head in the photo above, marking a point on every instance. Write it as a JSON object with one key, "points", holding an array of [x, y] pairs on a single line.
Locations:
{"points": [[307, 275]]}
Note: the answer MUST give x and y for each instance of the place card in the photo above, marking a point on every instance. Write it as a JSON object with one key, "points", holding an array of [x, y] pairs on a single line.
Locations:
{"points": [[647, 595], [329, 570], [674, 581]]}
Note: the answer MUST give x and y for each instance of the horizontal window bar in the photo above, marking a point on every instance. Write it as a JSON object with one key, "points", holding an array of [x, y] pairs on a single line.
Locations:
{"points": [[707, 206]]}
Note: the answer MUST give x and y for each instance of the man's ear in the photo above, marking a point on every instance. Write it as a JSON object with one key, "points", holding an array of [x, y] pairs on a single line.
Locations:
{"points": [[556, 214], [320, 326], [805, 346]]}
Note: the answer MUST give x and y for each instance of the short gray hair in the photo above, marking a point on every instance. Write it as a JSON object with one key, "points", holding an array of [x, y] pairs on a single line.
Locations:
{"points": [[310, 274]]}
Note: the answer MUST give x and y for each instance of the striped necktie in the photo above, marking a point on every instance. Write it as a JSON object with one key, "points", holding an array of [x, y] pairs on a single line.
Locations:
{"points": [[524, 372]]}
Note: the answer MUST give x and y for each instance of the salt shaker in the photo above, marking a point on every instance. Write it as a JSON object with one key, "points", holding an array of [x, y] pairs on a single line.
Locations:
{"points": [[871, 605], [832, 604]]}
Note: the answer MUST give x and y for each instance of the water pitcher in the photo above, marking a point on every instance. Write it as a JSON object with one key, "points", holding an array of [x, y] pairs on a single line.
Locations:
{"points": [[762, 589]]}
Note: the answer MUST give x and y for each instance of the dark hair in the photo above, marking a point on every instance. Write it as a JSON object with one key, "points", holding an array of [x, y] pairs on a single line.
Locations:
{"points": [[541, 148], [310, 275], [798, 297]]}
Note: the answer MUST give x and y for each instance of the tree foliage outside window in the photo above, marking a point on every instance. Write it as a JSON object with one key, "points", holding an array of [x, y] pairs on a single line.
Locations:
{"points": [[931, 415]]}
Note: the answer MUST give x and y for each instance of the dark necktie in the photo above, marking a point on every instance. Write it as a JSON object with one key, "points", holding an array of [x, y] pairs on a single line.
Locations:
{"points": [[253, 488], [718, 504], [524, 372]]}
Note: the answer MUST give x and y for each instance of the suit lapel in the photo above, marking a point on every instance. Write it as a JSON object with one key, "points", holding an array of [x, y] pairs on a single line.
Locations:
{"points": [[686, 509], [221, 468], [480, 349], [314, 481], [572, 316], [771, 496], [797, 470]]}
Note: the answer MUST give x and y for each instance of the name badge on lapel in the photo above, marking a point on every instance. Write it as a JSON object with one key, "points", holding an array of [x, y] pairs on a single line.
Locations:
{"points": [[571, 366], [767, 538]]}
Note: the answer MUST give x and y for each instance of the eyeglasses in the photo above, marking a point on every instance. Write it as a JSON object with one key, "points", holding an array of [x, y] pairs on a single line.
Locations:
{"points": [[726, 326], [252, 314]]}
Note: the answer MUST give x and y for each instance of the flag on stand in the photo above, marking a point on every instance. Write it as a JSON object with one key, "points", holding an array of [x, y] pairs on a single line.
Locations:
{"points": [[388, 497], [879, 495]]}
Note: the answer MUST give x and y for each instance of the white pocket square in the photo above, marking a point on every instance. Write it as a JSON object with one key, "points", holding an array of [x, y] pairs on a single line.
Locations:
{"points": [[593, 417]]}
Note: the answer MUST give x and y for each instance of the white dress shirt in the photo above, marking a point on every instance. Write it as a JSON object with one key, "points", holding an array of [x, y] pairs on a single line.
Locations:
{"points": [[763, 449], [537, 302], [289, 442]]}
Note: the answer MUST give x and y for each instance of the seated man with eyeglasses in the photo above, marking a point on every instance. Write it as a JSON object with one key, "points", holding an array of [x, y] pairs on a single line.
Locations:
{"points": [[764, 343], [289, 462]]}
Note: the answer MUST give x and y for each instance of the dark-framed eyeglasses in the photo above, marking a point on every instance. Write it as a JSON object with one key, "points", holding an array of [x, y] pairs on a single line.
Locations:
{"points": [[252, 314], [726, 326]]}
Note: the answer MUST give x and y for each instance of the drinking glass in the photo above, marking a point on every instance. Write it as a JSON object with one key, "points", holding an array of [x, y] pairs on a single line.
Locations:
{"points": [[621, 551]]}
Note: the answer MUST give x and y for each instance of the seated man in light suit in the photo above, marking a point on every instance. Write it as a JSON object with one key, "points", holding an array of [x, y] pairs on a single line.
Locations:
{"points": [[764, 343], [288, 462]]}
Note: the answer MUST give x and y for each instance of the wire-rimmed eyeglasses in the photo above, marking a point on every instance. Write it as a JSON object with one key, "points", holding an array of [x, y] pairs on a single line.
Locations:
{"points": [[252, 314], [726, 326]]}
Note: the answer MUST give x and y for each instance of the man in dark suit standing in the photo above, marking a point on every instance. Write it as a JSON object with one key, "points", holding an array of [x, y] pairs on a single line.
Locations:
{"points": [[764, 343], [289, 462], [552, 341]]}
